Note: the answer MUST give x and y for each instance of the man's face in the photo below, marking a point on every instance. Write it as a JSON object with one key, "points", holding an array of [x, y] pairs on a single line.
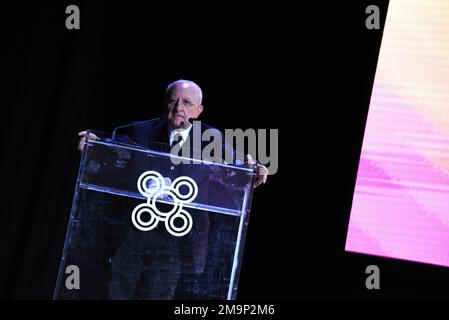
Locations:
{"points": [[182, 103]]}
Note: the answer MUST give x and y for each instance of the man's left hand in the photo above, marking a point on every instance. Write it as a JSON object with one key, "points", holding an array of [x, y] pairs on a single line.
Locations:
{"points": [[261, 172]]}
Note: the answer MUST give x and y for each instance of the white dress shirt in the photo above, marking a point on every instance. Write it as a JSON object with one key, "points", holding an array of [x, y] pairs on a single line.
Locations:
{"points": [[183, 132]]}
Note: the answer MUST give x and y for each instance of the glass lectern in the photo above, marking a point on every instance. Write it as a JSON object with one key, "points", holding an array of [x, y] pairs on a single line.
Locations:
{"points": [[143, 226]]}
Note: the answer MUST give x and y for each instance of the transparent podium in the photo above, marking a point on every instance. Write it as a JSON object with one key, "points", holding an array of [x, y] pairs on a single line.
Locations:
{"points": [[144, 226]]}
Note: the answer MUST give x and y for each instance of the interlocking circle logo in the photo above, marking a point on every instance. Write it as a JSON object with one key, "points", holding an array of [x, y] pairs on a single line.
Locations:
{"points": [[153, 186]]}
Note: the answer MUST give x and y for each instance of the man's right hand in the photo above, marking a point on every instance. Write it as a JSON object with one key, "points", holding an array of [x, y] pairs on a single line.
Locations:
{"points": [[84, 136]]}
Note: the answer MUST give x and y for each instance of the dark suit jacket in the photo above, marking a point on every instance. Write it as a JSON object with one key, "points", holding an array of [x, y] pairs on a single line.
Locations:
{"points": [[153, 134]]}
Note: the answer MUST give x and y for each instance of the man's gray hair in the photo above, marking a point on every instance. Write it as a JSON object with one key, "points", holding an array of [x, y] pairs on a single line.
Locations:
{"points": [[171, 85]]}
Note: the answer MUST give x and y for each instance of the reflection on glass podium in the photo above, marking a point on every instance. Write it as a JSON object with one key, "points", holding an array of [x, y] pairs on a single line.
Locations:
{"points": [[142, 227]]}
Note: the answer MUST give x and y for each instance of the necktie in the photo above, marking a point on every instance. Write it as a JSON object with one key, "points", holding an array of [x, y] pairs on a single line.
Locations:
{"points": [[177, 138]]}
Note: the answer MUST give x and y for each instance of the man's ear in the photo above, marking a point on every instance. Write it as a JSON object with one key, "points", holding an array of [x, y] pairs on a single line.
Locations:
{"points": [[199, 110]]}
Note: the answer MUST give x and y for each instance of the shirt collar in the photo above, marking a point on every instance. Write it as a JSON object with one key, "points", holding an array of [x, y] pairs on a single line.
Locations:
{"points": [[184, 133]]}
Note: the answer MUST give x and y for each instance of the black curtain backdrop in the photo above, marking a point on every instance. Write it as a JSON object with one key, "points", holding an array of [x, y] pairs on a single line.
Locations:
{"points": [[305, 70]]}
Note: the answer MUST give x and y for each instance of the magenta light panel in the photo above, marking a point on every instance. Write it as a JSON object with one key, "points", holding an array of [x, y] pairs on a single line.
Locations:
{"points": [[400, 206]]}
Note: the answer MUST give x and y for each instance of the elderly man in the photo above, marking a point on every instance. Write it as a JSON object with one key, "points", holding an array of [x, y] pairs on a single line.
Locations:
{"points": [[155, 265], [182, 102]]}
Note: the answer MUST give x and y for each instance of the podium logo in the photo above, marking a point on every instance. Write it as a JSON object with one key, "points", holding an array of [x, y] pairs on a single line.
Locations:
{"points": [[153, 186]]}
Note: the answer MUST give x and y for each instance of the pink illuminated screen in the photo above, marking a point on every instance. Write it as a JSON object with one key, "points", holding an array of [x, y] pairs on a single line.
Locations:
{"points": [[400, 206]]}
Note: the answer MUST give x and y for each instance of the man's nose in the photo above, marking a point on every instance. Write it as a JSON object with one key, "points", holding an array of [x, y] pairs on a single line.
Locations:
{"points": [[179, 106]]}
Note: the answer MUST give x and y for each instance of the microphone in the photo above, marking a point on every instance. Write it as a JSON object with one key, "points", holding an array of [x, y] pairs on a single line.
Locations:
{"points": [[114, 133]]}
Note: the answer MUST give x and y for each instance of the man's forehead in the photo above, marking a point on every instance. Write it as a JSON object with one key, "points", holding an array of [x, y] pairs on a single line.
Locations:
{"points": [[184, 88]]}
